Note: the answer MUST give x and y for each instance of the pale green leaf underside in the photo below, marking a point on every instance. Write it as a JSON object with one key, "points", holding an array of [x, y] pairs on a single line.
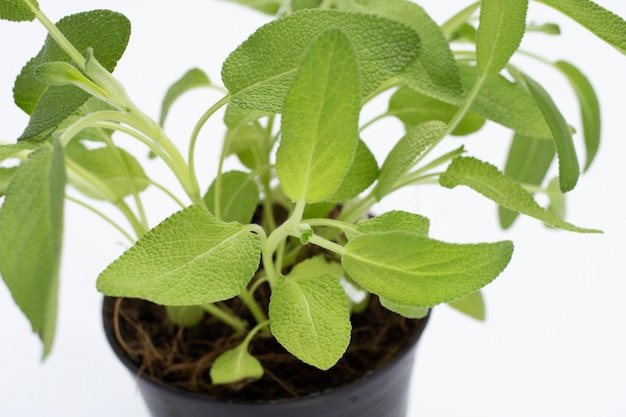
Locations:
{"points": [[18, 10], [395, 220], [410, 269], [105, 31], [408, 311], [362, 173], [190, 258], [235, 365], [472, 305], [603, 23], [194, 78], [315, 266], [311, 319], [488, 181], [239, 197], [501, 28], [6, 174], [31, 228], [382, 47], [320, 121]]}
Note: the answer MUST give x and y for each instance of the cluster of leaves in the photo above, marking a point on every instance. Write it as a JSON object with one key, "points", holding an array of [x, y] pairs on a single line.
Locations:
{"points": [[316, 65]]}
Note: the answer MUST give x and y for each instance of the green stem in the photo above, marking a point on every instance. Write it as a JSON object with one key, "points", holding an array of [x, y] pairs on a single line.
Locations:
{"points": [[59, 37], [327, 244], [337, 224], [232, 320], [458, 20], [103, 216], [248, 299], [386, 85], [168, 192], [355, 212]]}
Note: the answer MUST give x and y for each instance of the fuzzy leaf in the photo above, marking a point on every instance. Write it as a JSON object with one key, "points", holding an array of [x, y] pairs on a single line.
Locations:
{"points": [[413, 108], [434, 71], [395, 220], [31, 230], [118, 170], [361, 174], [528, 162], [6, 174], [589, 108], [239, 197], [569, 169], [18, 10], [311, 319], [382, 48], [472, 305], [235, 365], [190, 258], [320, 121], [14, 149], [404, 154], [410, 269], [410, 312], [491, 183], [316, 266], [194, 78], [105, 31], [603, 23], [500, 30]]}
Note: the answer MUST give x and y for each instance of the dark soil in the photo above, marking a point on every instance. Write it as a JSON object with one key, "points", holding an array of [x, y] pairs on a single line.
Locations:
{"points": [[183, 357]]}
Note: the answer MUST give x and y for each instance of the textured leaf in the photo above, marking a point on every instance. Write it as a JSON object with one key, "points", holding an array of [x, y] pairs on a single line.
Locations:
{"points": [[557, 199], [488, 181], [472, 305], [413, 108], [528, 162], [239, 197], [434, 71], [311, 319], [270, 7], [500, 30], [395, 220], [235, 365], [546, 28], [569, 169], [194, 78], [14, 149], [18, 10], [105, 31], [118, 170], [190, 258], [603, 23], [589, 108], [506, 103], [304, 4], [5, 177], [404, 154], [314, 267], [31, 229], [405, 310], [361, 174], [320, 121], [249, 143], [410, 269], [382, 47]]}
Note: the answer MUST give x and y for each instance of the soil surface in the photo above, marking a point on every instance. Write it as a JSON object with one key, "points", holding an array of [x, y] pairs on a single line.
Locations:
{"points": [[183, 357]]}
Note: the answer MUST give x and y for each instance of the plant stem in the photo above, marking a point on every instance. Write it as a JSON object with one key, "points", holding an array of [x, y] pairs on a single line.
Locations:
{"points": [[59, 37], [230, 319], [103, 216], [327, 244], [248, 299], [337, 224]]}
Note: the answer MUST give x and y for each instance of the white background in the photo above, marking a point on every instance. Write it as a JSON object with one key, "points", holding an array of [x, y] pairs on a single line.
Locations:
{"points": [[554, 342]]}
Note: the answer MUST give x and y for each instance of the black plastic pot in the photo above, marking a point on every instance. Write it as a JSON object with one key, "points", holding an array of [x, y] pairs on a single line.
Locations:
{"points": [[380, 393]]}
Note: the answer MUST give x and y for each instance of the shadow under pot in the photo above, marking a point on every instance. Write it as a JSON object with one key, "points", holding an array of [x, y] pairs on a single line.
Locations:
{"points": [[372, 379]]}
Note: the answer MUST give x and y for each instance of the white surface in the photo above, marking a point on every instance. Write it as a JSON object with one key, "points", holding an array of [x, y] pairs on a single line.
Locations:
{"points": [[554, 342]]}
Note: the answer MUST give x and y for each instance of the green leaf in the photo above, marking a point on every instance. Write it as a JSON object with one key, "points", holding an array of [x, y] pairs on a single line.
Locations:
{"points": [[410, 312], [249, 143], [270, 7], [528, 162], [413, 108], [491, 183], [18, 10], [185, 316], [382, 48], [311, 319], [239, 196], [410, 269], [395, 220], [59, 74], [569, 169], [545, 28], [603, 23], [192, 79], [500, 30], [13, 150], [31, 230], [589, 108], [316, 266], [404, 154], [235, 365], [304, 4], [472, 305], [557, 199], [190, 258], [6, 174], [361, 174], [506, 103], [105, 31], [434, 71], [320, 121], [118, 170]]}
